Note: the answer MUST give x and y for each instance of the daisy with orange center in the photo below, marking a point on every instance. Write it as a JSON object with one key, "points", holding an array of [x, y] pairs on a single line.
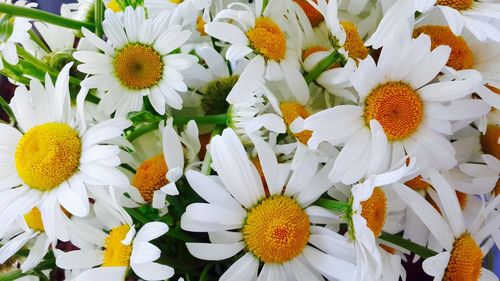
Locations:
{"points": [[398, 110], [264, 36], [462, 257], [276, 230]]}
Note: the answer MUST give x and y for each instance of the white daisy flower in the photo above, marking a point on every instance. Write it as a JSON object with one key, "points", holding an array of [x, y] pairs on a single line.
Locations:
{"points": [[136, 62], [274, 229], [116, 251], [15, 31], [463, 256], [269, 35], [48, 161], [398, 112], [81, 10]]}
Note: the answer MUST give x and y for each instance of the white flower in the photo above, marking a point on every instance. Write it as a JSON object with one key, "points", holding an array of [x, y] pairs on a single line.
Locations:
{"points": [[275, 228], [397, 111], [462, 257], [136, 62], [50, 159]]}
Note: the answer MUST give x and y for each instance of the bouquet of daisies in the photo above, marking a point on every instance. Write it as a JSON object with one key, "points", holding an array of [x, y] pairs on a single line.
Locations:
{"points": [[263, 140]]}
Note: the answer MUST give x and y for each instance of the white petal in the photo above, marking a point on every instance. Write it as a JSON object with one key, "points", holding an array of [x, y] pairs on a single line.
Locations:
{"points": [[153, 271], [244, 269], [80, 259], [435, 266], [214, 252], [144, 252], [151, 230]]}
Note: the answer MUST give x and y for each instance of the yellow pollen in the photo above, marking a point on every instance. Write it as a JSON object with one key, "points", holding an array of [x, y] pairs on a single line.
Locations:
{"points": [[200, 26], [418, 183], [397, 107], [151, 176], [113, 5], [314, 16], [461, 56], [462, 199], [176, 1], [34, 219], [311, 50], [115, 253], [489, 141], [138, 66], [267, 39], [292, 110], [465, 261], [456, 4], [354, 44], [276, 230], [373, 210], [47, 155]]}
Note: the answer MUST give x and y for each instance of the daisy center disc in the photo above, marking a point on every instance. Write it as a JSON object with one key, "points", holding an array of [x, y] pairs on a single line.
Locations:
{"points": [[151, 176], [138, 66], [465, 261], [461, 56], [34, 220], [215, 94], [354, 44], [276, 230], [489, 141], [292, 110], [456, 4], [374, 210], [267, 39], [115, 252], [314, 16], [397, 107], [47, 155], [418, 183]]}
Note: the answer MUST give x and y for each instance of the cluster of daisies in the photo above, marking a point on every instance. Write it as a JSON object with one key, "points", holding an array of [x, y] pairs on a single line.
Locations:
{"points": [[262, 140]]}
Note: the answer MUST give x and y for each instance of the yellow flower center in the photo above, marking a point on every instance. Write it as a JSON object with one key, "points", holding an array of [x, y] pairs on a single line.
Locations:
{"points": [[150, 176], [461, 56], [314, 16], [114, 6], [215, 94], [465, 261], [397, 107], [267, 39], [34, 220], [373, 210], [47, 155], [200, 26], [276, 230], [138, 66], [354, 44], [456, 4], [115, 253], [418, 183], [489, 141], [311, 50], [292, 110]]}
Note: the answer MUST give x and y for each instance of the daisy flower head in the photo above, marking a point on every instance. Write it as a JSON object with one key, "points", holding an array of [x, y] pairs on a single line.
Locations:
{"points": [[399, 112], [136, 62], [48, 161], [462, 257], [114, 248], [266, 34], [274, 227]]}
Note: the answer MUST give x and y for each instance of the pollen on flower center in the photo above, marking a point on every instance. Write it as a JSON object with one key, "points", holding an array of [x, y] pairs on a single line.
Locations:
{"points": [[215, 94], [354, 44], [397, 107], [115, 252], [276, 230], [138, 66], [114, 6], [456, 4], [314, 16], [465, 261], [200, 25], [267, 39], [151, 176], [418, 183], [47, 155], [461, 56], [34, 219], [489, 141], [374, 210], [292, 110]]}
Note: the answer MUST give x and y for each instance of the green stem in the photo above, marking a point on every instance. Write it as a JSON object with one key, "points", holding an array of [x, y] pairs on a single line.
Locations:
{"points": [[99, 17], [206, 169], [5, 106], [408, 245], [208, 119], [332, 205], [204, 273], [138, 215], [180, 235], [334, 58], [38, 41], [142, 131], [44, 16]]}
